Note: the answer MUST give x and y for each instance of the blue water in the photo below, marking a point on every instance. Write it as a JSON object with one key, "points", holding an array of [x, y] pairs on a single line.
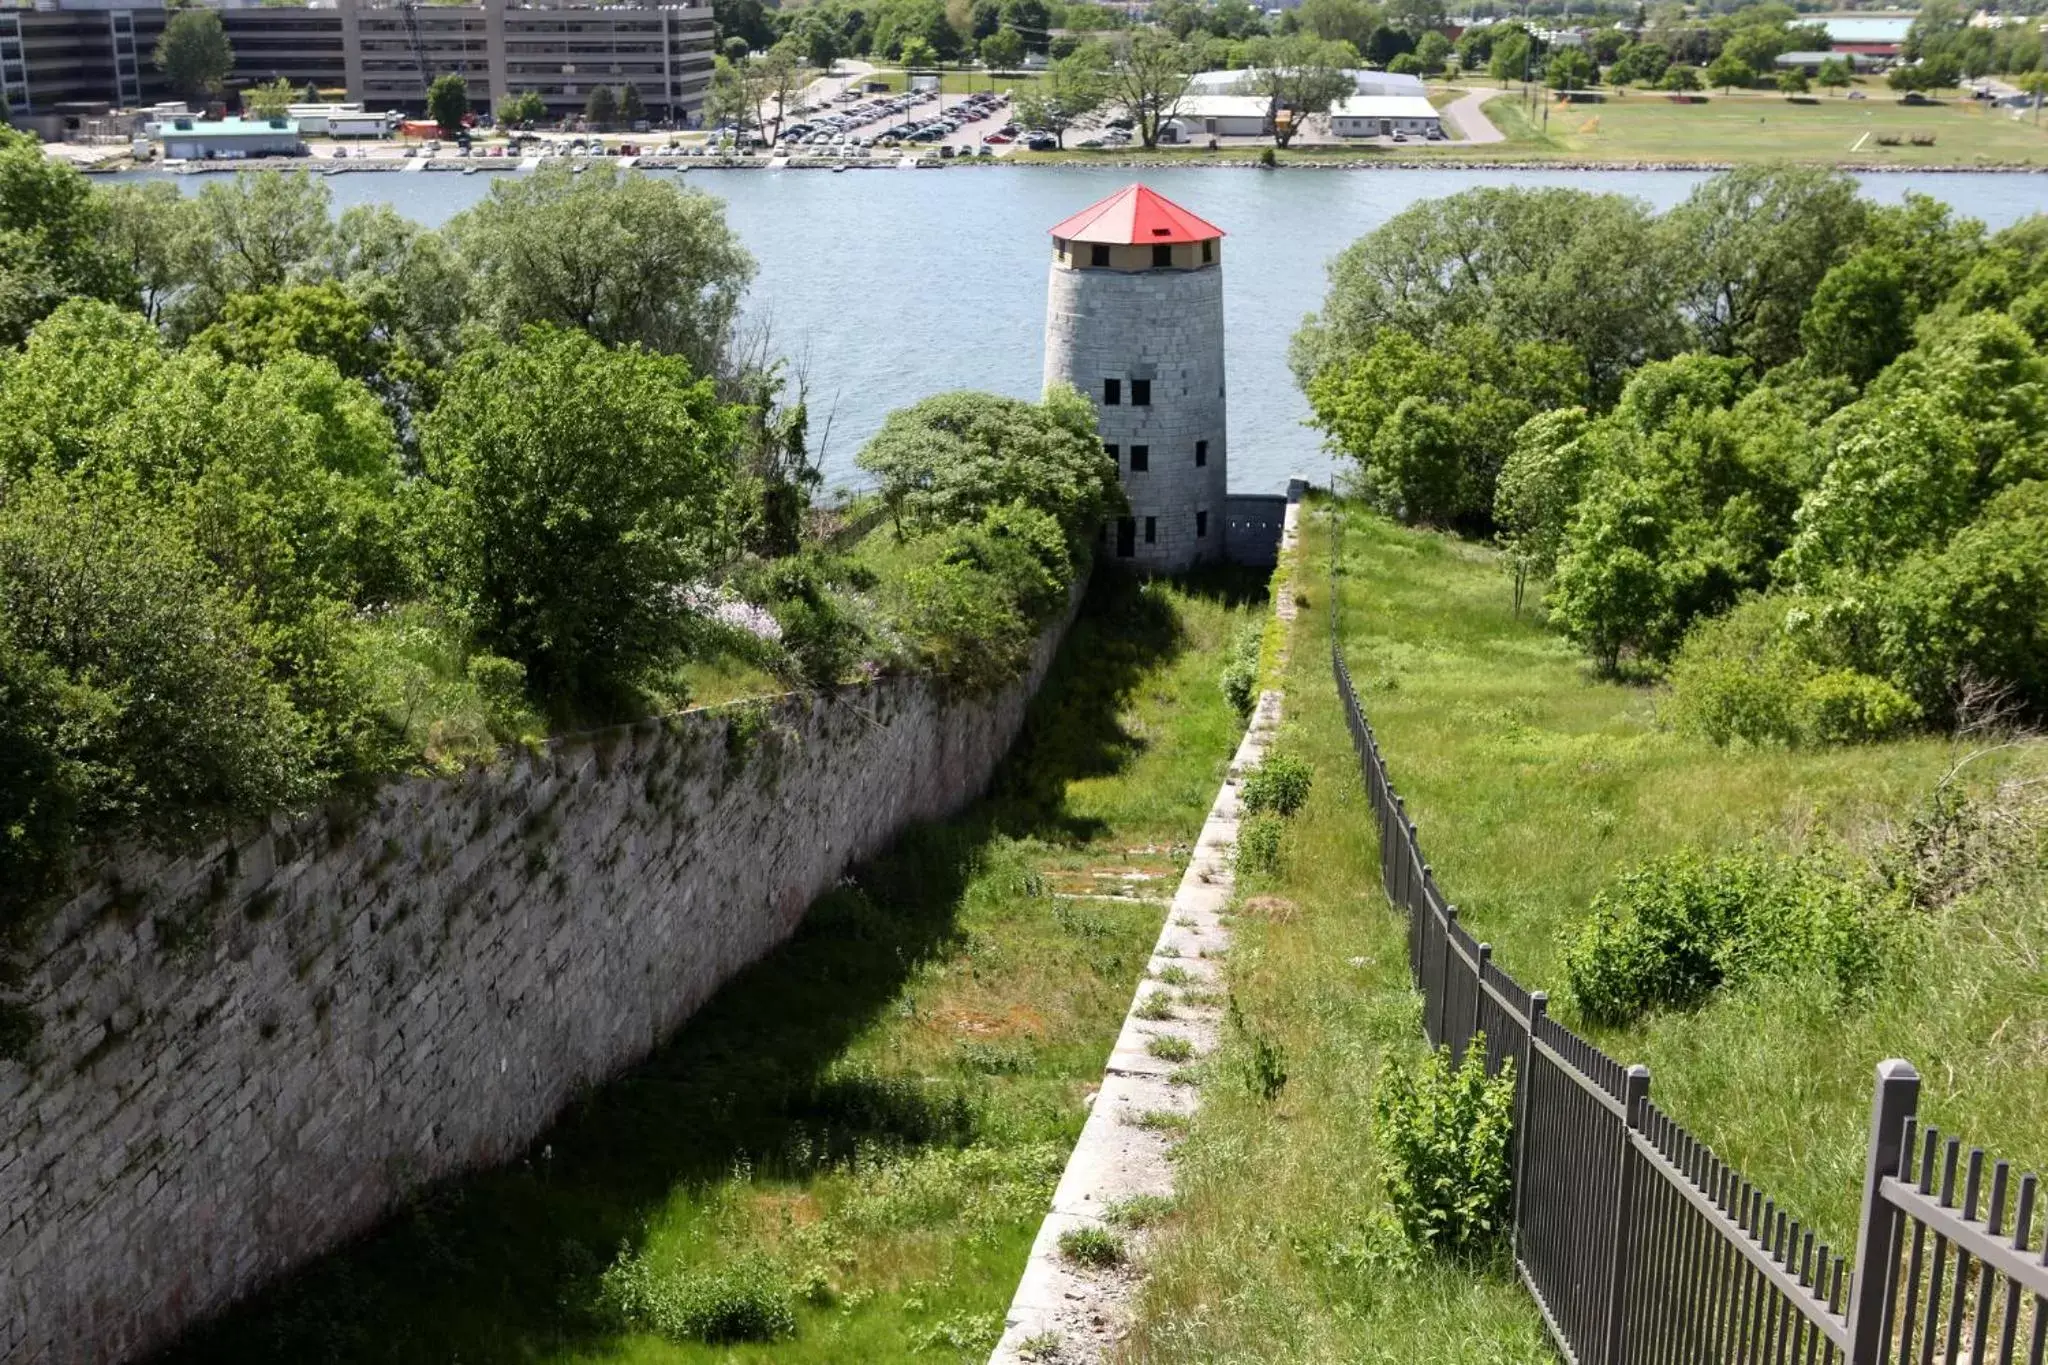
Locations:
{"points": [[885, 286]]}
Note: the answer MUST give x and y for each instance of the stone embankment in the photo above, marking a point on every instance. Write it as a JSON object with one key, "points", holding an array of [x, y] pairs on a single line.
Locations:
{"points": [[248, 1053]]}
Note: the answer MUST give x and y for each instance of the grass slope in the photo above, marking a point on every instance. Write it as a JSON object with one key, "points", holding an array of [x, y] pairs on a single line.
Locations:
{"points": [[1534, 784], [1281, 1248], [873, 1117]]}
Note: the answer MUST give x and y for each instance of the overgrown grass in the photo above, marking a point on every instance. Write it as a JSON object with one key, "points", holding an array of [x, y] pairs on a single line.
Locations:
{"points": [[858, 1136], [1535, 785], [1282, 1246]]}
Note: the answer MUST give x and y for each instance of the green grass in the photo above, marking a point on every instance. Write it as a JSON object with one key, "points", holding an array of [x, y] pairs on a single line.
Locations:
{"points": [[1759, 126], [871, 1120], [1534, 784], [1281, 1246]]}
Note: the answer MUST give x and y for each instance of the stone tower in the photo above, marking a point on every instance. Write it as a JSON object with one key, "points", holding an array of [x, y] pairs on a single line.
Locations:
{"points": [[1134, 320]]}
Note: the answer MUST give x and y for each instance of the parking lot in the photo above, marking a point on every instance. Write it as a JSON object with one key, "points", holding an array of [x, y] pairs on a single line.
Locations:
{"points": [[854, 126]]}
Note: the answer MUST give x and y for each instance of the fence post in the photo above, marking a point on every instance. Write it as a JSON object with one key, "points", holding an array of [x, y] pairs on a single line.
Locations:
{"points": [[1877, 1247], [1479, 989], [1635, 1089], [1539, 1006], [1441, 1006]]}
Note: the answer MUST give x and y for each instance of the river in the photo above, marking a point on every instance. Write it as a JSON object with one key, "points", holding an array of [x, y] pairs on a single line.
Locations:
{"points": [[886, 286]]}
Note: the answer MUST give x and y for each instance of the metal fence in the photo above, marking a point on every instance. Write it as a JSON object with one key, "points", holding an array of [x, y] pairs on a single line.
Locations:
{"points": [[1642, 1247]]}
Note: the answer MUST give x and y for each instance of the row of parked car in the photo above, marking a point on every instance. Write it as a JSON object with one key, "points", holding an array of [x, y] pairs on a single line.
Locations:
{"points": [[843, 130], [838, 128]]}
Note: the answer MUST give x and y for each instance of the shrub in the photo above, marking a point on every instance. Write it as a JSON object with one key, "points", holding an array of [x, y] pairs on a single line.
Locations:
{"points": [[1265, 1069], [1845, 707], [1280, 785], [501, 686], [1670, 932], [1240, 679], [1258, 844], [1092, 1246], [1445, 1131], [1170, 1049], [747, 1300]]}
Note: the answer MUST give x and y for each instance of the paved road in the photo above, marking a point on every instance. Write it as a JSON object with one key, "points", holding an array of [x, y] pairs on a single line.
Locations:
{"points": [[1471, 118]]}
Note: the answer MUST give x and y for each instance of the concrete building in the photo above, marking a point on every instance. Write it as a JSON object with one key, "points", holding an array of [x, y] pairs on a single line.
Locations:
{"points": [[1364, 82], [1812, 62], [1134, 319], [73, 55], [189, 139], [1385, 115]]}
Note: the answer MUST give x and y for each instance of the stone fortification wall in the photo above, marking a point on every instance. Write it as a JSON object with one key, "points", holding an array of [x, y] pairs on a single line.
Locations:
{"points": [[249, 1053], [1164, 326]]}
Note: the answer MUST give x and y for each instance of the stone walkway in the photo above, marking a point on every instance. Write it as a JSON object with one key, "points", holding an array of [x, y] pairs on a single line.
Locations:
{"points": [[1469, 113], [1075, 1314]]}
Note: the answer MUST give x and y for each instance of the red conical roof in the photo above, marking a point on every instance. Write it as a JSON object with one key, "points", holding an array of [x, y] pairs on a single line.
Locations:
{"points": [[1135, 216]]}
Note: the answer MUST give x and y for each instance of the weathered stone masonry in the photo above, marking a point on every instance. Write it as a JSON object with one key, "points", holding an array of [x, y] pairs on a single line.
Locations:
{"points": [[250, 1053]]}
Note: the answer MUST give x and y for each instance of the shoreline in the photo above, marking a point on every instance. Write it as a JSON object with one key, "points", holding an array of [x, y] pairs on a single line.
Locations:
{"points": [[381, 166]]}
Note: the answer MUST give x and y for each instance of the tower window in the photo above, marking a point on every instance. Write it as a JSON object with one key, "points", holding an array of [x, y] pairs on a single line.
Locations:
{"points": [[1208, 252], [1201, 525], [1141, 393], [1162, 256], [1151, 530], [1109, 449], [1126, 537], [1201, 454], [1141, 459], [1098, 255], [1112, 392]]}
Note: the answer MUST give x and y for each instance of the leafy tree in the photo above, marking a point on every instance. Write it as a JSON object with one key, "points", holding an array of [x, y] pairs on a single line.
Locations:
{"points": [[1148, 75], [743, 19], [251, 233], [53, 239], [1339, 21], [1513, 56], [1433, 51], [1001, 49], [1679, 78], [309, 319], [1032, 20], [1834, 74], [1753, 245], [523, 110], [1640, 64], [579, 489], [448, 102], [626, 258], [145, 226], [1756, 46], [632, 108], [1861, 316], [602, 108], [1538, 486], [193, 53], [1899, 477], [1728, 71], [1385, 43], [1570, 68], [1793, 81], [1582, 270], [1074, 87], [1301, 74], [952, 459], [1405, 64], [1426, 422], [918, 53], [269, 101]]}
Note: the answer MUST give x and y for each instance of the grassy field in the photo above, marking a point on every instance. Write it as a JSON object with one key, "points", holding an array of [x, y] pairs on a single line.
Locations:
{"points": [[870, 1121], [1281, 1248], [1640, 126], [1534, 784]]}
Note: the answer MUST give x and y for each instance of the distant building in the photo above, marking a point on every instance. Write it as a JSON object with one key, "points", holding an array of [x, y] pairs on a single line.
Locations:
{"points": [[1811, 62], [1874, 36], [1198, 116], [1385, 115], [190, 139], [67, 55]]}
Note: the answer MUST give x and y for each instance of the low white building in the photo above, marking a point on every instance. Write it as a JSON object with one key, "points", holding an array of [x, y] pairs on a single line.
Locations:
{"points": [[342, 120], [232, 139], [1200, 116], [1385, 115]]}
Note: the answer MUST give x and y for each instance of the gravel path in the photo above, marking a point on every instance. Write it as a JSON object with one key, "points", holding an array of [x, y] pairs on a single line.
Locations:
{"points": [[1469, 113]]}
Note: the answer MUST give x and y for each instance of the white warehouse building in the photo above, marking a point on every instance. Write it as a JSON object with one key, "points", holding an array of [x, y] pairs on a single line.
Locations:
{"points": [[1385, 115]]}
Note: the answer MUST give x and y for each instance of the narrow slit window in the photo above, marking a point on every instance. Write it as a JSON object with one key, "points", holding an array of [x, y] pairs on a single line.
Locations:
{"points": [[1201, 454], [1141, 459], [1151, 530], [1201, 526], [1208, 252], [1141, 393], [1109, 449], [1112, 392]]}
